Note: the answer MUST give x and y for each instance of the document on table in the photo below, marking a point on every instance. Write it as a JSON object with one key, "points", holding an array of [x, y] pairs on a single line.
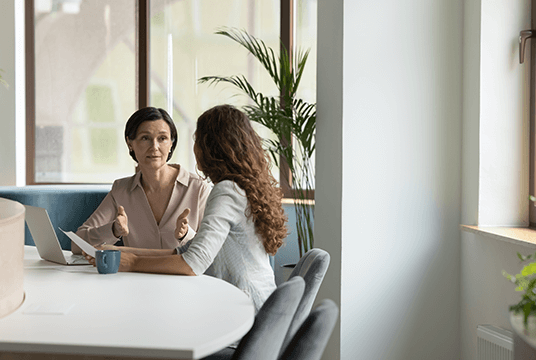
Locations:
{"points": [[83, 244], [48, 309]]}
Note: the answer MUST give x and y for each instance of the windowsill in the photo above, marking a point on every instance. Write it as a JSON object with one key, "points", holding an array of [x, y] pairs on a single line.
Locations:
{"points": [[291, 201], [514, 235]]}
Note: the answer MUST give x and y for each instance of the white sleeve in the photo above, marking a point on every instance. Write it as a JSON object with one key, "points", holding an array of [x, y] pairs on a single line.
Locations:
{"points": [[222, 208], [184, 244], [189, 235]]}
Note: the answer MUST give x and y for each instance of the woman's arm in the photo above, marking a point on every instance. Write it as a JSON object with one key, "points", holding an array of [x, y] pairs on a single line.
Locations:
{"points": [[165, 264], [156, 261], [223, 207], [220, 214], [140, 251], [99, 226], [204, 192]]}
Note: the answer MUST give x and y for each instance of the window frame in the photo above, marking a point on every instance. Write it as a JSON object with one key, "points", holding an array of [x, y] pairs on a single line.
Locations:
{"points": [[532, 116], [142, 78]]}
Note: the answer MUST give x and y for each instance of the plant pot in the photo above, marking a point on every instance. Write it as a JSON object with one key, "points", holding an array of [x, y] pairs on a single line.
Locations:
{"points": [[283, 272], [524, 337], [516, 320]]}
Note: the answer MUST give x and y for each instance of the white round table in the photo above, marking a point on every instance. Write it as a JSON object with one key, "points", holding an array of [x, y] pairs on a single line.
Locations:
{"points": [[76, 310]]}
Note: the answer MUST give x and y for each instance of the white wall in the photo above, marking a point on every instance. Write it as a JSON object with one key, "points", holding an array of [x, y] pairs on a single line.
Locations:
{"points": [[495, 160], [398, 141], [7, 96]]}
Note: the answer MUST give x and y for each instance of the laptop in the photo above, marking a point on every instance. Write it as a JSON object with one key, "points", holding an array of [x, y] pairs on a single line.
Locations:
{"points": [[45, 238]]}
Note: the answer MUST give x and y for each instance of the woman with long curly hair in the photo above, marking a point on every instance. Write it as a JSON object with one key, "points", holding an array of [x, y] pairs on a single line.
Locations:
{"points": [[244, 221]]}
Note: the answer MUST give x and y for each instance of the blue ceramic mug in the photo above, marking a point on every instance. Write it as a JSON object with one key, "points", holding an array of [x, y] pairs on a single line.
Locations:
{"points": [[107, 261]]}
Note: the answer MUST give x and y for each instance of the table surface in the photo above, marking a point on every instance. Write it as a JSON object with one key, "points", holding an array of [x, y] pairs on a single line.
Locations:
{"points": [[76, 310]]}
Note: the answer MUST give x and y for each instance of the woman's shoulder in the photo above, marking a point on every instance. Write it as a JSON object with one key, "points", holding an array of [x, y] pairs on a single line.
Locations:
{"points": [[191, 180], [229, 197], [123, 184], [228, 187], [198, 180]]}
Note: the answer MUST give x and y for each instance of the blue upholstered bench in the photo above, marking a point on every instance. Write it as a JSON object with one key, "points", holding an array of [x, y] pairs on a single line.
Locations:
{"points": [[68, 206]]}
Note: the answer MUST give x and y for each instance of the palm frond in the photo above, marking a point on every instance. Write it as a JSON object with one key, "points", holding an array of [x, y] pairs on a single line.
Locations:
{"points": [[301, 61], [257, 48], [239, 81]]}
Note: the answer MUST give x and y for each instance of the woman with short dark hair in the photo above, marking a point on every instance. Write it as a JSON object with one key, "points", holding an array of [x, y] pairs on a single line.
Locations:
{"points": [[159, 207]]}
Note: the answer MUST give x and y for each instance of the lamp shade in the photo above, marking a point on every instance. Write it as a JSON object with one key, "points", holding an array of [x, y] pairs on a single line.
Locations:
{"points": [[11, 256]]}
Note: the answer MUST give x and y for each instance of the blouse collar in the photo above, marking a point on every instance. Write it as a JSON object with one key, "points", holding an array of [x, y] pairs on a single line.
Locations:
{"points": [[182, 178]]}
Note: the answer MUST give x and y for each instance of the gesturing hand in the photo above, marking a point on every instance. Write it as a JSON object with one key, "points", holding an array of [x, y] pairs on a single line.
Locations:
{"points": [[182, 224], [120, 227]]}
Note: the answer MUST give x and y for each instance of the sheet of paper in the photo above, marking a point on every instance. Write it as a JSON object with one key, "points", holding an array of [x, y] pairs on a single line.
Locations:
{"points": [[48, 309], [82, 244]]}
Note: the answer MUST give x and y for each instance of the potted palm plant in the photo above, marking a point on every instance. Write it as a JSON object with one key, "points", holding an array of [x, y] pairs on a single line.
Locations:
{"points": [[292, 120]]}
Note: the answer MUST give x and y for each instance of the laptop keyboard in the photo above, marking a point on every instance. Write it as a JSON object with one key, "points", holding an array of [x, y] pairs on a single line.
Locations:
{"points": [[78, 259]]}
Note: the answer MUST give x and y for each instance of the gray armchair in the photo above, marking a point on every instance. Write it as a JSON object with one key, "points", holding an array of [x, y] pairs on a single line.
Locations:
{"points": [[264, 339], [311, 267], [312, 337]]}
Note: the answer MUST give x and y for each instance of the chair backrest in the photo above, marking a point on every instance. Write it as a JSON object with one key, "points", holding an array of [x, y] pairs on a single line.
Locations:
{"points": [[312, 337], [312, 267], [264, 340]]}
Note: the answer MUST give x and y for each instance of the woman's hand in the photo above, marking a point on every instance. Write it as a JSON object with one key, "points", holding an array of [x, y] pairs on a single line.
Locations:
{"points": [[89, 258], [101, 246], [182, 224], [120, 226], [127, 259]]}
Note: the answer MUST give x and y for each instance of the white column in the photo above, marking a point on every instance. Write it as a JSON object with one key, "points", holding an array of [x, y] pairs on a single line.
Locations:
{"points": [[8, 156]]}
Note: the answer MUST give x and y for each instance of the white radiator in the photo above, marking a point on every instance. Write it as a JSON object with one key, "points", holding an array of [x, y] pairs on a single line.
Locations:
{"points": [[494, 343]]}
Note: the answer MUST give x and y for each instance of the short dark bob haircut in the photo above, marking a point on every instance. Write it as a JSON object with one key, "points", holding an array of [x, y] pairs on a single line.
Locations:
{"points": [[149, 114]]}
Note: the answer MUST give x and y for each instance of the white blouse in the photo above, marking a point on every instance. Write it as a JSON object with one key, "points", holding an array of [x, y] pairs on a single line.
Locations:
{"points": [[226, 245]]}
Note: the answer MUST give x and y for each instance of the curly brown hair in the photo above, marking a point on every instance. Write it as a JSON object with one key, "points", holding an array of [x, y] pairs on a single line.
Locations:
{"points": [[228, 148]]}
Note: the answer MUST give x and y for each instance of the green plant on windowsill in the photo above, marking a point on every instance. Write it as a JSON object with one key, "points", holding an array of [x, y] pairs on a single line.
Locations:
{"points": [[290, 118], [525, 281]]}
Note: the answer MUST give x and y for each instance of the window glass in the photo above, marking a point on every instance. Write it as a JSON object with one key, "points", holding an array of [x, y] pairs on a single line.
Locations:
{"points": [[184, 48], [85, 89], [305, 39], [85, 75]]}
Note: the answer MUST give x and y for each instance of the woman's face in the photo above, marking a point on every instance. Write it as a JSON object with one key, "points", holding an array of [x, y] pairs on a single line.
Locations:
{"points": [[152, 144]]}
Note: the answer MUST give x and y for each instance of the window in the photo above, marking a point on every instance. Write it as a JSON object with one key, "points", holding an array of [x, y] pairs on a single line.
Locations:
{"points": [[528, 49], [93, 63]]}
